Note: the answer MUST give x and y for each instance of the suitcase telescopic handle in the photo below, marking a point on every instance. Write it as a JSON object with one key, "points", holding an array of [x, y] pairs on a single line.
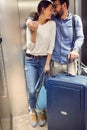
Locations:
{"points": [[68, 61]]}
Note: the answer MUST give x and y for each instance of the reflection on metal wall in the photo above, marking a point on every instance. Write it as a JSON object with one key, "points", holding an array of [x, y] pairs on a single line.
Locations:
{"points": [[26, 7], [4, 101], [3, 88], [14, 105]]}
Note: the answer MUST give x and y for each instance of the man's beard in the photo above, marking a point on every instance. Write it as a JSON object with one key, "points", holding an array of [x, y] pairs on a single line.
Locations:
{"points": [[59, 15]]}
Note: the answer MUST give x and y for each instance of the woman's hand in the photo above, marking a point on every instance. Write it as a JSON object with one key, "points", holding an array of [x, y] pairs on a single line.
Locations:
{"points": [[47, 69], [32, 25], [47, 64]]}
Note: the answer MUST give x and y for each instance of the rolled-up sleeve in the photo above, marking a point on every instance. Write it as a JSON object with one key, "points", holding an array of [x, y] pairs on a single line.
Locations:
{"points": [[79, 33], [52, 37]]}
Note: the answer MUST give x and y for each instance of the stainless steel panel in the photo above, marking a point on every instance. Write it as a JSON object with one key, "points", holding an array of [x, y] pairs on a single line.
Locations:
{"points": [[4, 101], [26, 7], [13, 104]]}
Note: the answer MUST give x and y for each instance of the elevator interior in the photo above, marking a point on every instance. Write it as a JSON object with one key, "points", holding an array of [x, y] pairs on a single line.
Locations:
{"points": [[13, 96]]}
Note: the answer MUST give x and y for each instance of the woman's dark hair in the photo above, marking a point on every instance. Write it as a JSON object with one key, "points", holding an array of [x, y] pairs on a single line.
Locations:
{"points": [[42, 4], [63, 1]]}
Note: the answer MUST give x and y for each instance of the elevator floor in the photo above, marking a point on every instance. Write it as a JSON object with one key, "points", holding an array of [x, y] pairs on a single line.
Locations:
{"points": [[23, 123], [38, 128]]}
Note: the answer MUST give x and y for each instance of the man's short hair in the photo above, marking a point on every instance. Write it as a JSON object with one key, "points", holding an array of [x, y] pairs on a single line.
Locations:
{"points": [[62, 1]]}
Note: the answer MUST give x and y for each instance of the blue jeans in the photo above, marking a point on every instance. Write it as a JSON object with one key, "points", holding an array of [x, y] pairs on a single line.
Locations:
{"points": [[33, 69]]}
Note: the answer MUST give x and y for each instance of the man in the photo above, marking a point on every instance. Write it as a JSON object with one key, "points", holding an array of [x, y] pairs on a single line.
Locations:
{"points": [[66, 48]]}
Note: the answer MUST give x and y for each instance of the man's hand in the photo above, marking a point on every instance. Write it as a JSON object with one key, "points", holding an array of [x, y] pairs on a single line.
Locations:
{"points": [[73, 55], [32, 25]]}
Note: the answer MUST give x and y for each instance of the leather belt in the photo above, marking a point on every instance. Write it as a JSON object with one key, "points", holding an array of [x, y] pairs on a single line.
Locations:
{"points": [[39, 56]]}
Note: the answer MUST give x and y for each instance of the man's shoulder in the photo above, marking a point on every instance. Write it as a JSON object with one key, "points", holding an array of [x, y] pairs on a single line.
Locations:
{"points": [[75, 16]]}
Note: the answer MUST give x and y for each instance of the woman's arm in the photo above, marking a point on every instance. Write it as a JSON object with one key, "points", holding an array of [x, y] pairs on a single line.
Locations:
{"points": [[31, 37], [51, 46], [47, 65]]}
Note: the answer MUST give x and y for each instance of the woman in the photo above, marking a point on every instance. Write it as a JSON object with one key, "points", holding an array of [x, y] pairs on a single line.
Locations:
{"points": [[40, 43]]}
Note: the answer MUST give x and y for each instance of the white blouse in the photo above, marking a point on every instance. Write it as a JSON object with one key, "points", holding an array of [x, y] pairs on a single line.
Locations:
{"points": [[45, 39]]}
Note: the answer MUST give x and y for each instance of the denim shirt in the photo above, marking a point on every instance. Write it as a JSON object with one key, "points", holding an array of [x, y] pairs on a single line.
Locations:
{"points": [[64, 37]]}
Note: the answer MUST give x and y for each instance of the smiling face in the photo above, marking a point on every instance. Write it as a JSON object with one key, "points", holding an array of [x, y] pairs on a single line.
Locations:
{"points": [[45, 9], [47, 12], [58, 8]]}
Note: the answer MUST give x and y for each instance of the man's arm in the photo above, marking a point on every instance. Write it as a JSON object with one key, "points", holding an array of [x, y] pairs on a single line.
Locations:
{"points": [[79, 39]]}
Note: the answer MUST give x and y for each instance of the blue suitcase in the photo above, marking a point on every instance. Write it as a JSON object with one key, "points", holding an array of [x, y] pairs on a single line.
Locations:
{"points": [[67, 102]]}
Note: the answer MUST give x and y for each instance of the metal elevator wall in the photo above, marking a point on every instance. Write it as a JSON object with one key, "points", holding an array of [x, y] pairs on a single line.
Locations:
{"points": [[13, 99], [4, 101]]}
